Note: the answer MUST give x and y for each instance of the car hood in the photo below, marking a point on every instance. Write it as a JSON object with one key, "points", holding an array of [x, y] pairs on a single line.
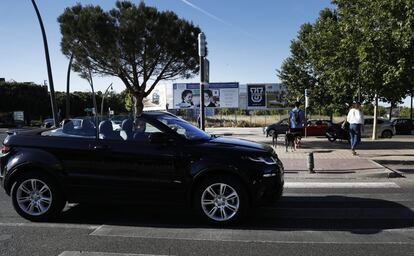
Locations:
{"points": [[239, 144]]}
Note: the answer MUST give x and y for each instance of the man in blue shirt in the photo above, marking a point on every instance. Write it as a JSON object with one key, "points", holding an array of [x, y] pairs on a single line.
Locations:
{"points": [[296, 121]]}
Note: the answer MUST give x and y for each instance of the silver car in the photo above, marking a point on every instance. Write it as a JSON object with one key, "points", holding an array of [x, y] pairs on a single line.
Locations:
{"points": [[385, 128]]}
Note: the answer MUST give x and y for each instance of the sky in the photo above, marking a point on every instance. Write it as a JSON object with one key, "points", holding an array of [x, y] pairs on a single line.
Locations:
{"points": [[247, 40]]}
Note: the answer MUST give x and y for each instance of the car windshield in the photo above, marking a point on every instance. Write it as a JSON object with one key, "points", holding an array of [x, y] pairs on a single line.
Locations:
{"points": [[183, 128]]}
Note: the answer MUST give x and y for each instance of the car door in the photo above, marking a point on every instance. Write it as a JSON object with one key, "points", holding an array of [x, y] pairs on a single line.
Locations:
{"points": [[77, 156], [367, 129], [139, 169]]}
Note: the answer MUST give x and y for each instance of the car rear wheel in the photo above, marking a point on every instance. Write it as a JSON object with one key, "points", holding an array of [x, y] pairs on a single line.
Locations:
{"points": [[221, 200], [386, 134], [270, 132], [36, 197]]}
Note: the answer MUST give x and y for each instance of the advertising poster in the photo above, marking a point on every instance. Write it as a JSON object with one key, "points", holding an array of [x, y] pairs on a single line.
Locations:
{"points": [[256, 96], [216, 95], [276, 96]]}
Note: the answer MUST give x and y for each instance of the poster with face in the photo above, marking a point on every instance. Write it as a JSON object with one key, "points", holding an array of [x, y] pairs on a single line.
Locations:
{"points": [[185, 95], [256, 96], [216, 95]]}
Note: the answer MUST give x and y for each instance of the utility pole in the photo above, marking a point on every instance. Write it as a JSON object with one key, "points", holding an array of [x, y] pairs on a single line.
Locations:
{"points": [[103, 98], [49, 67], [306, 106], [202, 53]]}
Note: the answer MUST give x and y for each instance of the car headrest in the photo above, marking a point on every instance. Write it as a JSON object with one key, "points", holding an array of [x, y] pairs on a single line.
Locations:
{"points": [[127, 125], [105, 127]]}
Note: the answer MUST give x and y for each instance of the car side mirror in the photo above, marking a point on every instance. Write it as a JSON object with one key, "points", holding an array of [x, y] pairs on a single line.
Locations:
{"points": [[159, 138]]}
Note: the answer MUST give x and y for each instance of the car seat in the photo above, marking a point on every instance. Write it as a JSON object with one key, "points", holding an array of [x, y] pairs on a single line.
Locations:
{"points": [[126, 129], [106, 132]]}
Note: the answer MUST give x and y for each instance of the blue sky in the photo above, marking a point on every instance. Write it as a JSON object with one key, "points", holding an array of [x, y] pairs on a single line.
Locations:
{"points": [[247, 40]]}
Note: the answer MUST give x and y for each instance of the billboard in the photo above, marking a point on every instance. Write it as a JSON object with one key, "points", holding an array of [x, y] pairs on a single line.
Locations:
{"points": [[256, 96], [276, 96], [216, 95]]}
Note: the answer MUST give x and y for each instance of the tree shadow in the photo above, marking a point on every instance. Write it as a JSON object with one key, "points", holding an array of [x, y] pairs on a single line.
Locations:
{"points": [[333, 213]]}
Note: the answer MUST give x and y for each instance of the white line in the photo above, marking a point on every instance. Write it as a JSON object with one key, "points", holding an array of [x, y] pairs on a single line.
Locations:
{"points": [[341, 185], [288, 236], [48, 225], [84, 253]]}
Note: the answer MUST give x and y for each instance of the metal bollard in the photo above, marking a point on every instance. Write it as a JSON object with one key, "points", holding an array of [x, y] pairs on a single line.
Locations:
{"points": [[311, 163]]}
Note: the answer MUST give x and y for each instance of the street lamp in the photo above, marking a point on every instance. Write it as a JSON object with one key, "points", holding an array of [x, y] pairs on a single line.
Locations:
{"points": [[68, 87], [103, 98], [49, 68]]}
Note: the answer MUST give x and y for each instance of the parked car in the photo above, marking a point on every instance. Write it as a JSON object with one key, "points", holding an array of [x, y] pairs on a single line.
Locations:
{"points": [[314, 127], [163, 159], [385, 128], [280, 127], [341, 130], [403, 126], [317, 127]]}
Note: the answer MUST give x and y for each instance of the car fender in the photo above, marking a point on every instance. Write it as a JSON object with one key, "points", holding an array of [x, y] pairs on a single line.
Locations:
{"points": [[33, 158]]}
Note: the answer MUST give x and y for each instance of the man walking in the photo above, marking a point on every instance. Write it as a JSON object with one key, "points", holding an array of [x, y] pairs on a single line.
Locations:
{"points": [[296, 122], [355, 119]]}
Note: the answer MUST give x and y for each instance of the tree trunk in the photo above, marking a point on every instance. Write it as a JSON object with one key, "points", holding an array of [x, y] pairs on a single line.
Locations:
{"points": [[374, 126], [138, 105], [392, 105]]}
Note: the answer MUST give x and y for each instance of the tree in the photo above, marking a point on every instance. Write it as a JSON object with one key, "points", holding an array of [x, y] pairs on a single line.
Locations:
{"points": [[138, 44]]}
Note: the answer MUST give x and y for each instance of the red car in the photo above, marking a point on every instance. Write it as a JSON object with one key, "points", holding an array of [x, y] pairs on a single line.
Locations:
{"points": [[317, 127]]}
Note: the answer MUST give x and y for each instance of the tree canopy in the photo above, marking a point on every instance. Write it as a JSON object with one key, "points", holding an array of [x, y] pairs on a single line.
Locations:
{"points": [[359, 47], [136, 43]]}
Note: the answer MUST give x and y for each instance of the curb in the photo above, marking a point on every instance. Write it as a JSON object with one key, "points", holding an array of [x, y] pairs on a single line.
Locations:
{"points": [[391, 173]]}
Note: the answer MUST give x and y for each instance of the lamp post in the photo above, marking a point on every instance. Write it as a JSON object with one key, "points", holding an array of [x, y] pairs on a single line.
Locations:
{"points": [[68, 87], [49, 68], [103, 98]]}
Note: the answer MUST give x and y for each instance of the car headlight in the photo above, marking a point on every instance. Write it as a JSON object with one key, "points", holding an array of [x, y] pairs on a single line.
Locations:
{"points": [[263, 159]]}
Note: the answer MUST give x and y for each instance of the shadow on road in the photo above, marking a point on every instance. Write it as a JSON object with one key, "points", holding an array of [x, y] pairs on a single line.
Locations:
{"points": [[334, 213]]}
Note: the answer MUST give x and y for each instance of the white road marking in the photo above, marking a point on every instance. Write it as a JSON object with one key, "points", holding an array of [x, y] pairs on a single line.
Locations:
{"points": [[341, 185], [48, 225], [84, 253], [287, 236]]}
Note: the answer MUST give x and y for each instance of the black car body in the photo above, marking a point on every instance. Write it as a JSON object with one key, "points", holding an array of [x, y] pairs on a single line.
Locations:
{"points": [[172, 162], [403, 126], [280, 127]]}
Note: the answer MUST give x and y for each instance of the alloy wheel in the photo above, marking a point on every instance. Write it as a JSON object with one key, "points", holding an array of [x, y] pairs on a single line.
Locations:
{"points": [[34, 197], [220, 202]]}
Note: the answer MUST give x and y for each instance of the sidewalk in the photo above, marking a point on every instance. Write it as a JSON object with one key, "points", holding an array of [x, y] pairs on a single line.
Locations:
{"points": [[334, 160]]}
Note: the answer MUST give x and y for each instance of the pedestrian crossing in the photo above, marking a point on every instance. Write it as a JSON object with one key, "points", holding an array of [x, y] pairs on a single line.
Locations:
{"points": [[368, 213], [341, 185]]}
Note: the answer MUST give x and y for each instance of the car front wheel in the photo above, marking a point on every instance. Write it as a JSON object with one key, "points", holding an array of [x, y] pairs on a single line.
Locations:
{"points": [[386, 134], [36, 197], [221, 200]]}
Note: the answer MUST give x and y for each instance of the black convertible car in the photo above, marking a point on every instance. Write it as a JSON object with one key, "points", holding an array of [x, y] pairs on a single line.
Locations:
{"points": [[160, 158]]}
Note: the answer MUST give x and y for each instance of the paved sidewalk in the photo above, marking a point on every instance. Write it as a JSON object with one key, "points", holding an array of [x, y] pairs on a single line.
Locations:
{"points": [[334, 160]]}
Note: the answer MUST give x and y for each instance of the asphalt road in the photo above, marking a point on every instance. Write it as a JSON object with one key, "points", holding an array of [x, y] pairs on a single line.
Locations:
{"points": [[314, 217], [329, 217]]}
